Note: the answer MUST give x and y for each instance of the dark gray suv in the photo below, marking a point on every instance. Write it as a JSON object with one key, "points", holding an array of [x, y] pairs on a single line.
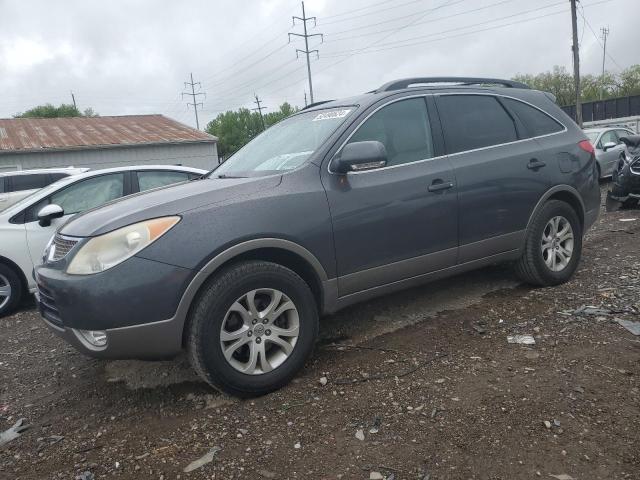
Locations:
{"points": [[341, 202]]}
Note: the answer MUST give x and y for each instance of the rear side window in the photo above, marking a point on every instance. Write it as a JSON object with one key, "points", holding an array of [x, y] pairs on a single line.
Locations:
{"points": [[403, 128], [153, 179], [28, 182], [536, 122], [474, 121], [1, 184]]}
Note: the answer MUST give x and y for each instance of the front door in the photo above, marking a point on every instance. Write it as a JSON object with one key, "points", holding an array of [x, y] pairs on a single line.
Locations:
{"points": [[398, 221], [609, 158]]}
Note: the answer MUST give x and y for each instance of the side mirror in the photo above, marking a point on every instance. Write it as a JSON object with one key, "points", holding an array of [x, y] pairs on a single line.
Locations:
{"points": [[48, 213], [608, 146], [359, 156]]}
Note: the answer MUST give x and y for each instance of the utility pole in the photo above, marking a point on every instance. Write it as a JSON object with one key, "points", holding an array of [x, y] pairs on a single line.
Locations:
{"points": [[73, 98], [305, 98], [259, 108], [576, 62], [605, 33], [304, 19], [194, 96]]}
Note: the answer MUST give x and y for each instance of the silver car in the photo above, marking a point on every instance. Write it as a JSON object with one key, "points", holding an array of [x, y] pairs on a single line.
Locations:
{"points": [[608, 147]]}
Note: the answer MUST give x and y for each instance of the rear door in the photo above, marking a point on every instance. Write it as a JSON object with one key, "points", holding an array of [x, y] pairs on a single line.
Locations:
{"points": [[391, 223], [500, 179]]}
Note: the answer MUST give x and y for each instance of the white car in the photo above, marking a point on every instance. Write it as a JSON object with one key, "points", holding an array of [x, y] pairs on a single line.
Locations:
{"points": [[27, 226], [18, 184]]}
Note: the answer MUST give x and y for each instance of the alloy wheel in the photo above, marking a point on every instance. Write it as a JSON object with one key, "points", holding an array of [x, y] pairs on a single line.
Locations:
{"points": [[259, 331], [5, 291], [557, 243]]}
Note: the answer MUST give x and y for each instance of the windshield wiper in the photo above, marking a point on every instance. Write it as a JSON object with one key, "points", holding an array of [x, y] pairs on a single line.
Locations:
{"points": [[222, 175]]}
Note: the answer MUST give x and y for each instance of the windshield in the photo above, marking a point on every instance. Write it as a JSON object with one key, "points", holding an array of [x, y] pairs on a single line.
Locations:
{"points": [[285, 146]]}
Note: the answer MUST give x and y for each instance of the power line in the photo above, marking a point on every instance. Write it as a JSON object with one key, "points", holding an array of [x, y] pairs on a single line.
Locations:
{"points": [[394, 7], [595, 35], [395, 45], [304, 19], [367, 34], [486, 22], [341, 14], [194, 96]]}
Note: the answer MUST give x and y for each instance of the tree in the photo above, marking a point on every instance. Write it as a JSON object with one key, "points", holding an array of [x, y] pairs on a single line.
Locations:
{"points": [[610, 85], [283, 112], [49, 111], [234, 129]]}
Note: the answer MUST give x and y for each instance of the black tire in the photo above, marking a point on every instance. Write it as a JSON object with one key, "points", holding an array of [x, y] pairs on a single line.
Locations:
{"points": [[208, 313], [531, 267], [8, 275]]}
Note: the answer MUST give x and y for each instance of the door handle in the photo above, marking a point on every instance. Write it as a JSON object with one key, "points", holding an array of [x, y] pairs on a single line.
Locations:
{"points": [[535, 164], [439, 185]]}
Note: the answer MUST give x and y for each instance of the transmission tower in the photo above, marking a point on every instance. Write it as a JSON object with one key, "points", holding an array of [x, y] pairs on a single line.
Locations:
{"points": [[194, 97], [304, 19]]}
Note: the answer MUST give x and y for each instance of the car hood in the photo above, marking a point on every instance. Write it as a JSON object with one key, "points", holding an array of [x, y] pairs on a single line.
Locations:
{"points": [[171, 200]]}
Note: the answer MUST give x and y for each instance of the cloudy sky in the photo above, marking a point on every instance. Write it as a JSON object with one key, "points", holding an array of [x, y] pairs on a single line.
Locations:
{"points": [[128, 57]]}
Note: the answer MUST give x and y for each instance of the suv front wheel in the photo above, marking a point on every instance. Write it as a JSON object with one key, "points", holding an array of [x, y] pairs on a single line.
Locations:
{"points": [[252, 328], [553, 246]]}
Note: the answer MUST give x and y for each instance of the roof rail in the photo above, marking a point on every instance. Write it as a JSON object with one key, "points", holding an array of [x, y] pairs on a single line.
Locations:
{"points": [[407, 82], [315, 104]]}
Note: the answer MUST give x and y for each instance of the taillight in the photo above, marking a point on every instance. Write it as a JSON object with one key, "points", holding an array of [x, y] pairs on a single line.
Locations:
{"points": [[586, 146]]}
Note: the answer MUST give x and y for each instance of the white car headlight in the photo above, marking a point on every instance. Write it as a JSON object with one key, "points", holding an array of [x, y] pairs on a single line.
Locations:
{"points": [[108, 250]]}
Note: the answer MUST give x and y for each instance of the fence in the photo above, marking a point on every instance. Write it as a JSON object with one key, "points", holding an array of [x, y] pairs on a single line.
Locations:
{"points": [[607, 109]]}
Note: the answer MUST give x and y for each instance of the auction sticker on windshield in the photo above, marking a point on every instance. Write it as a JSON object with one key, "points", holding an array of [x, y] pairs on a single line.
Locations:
{"points": [[332, 114]]}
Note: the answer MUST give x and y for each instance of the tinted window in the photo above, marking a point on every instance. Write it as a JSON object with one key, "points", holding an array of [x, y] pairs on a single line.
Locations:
{"points": [[151, 179], [28, 182], [1, 184], [474, 121], [404, 129], [535, 121]]}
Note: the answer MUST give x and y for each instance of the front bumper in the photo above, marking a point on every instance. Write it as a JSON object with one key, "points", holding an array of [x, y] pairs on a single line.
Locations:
{"points": [[134, 303]]}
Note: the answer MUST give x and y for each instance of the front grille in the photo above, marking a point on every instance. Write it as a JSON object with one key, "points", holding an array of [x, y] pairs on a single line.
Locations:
{"points": [[47, 305], [61, 247]]}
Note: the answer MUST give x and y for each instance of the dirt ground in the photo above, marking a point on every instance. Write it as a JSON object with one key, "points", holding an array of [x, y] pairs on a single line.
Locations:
{"points": [[419, 385]]}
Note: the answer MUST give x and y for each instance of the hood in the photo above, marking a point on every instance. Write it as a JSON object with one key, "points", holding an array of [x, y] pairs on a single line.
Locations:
{"points": [[160, 202]]}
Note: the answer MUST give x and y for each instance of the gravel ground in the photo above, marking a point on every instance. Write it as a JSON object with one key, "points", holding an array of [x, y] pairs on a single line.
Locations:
{"points": [[418, 385]]}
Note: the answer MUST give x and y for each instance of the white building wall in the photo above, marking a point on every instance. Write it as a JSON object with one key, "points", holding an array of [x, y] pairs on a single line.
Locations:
{"points": [[198, 155]]}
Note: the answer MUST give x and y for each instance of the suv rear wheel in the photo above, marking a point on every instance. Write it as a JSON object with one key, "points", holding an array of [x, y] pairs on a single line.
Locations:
{"points": [[10, 290], [252, 328], [553, 246]]}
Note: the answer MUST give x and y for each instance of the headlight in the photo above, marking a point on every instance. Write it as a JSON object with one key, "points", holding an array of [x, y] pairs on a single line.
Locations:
{"points": [[108, 250]]}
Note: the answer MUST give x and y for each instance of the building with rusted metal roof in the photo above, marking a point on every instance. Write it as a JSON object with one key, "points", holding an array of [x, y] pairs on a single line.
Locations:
{"points": [[103, 142]]}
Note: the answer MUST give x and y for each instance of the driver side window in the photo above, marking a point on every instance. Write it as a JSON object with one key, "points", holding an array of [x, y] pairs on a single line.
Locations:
{"points": [[83, 195], [403, 128], [608, 137]]}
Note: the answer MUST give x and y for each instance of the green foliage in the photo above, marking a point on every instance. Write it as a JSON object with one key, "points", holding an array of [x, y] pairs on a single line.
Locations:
{"points": [[235, 128], [50, 111], [560, 83]]}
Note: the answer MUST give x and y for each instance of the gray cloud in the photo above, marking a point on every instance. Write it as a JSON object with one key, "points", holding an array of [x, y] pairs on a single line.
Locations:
{"points": [[133, 57]]}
